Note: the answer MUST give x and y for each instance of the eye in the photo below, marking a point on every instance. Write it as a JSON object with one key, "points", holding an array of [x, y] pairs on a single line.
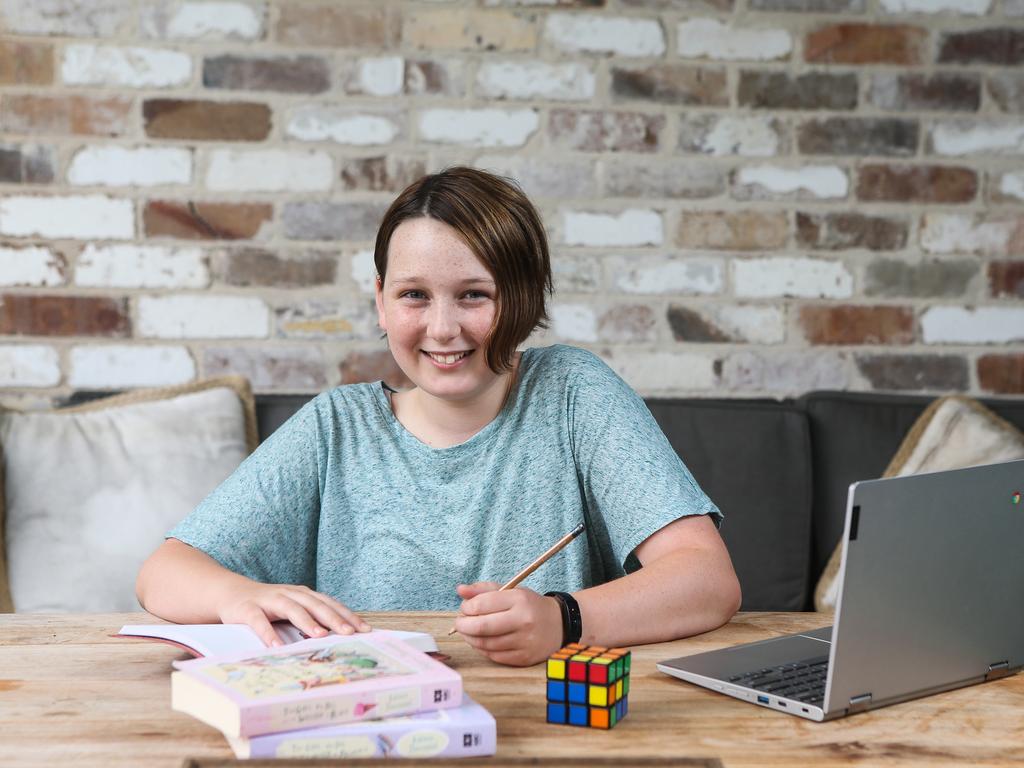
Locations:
{"points": [[476, 295], [415, 295]]}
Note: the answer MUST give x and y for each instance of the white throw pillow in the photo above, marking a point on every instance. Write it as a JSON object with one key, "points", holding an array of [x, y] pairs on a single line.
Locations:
{"points": [[92, 490]]}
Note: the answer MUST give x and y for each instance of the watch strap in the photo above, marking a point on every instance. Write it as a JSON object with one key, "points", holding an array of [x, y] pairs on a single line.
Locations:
{"points": [[572, 619]]}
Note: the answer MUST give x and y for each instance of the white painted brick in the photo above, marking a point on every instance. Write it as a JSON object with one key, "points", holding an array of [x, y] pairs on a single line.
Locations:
{"points": [[631, 227], [132, 67], [341, 125], [972, 137], [535, 80], [823, 181], [649, 372], [203, 317], [758, 325], [963, 233], [65, 18], [269, 170], [665, 274], [381, 76], [785, 371], [82, 217], [745, 136], [479, 127], [803, 278], [542, 176], [29, 365], [35, 266], [203, 20], [138, 266], [962, 325], [116, 366], [589, 33], [364, 271], [1012, 184], [123, 167], [574, 322], [709, 38], [964, 7]]}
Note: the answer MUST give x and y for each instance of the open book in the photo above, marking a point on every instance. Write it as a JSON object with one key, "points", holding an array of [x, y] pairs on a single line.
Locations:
{"points": [[321, 681], [221, 639]]}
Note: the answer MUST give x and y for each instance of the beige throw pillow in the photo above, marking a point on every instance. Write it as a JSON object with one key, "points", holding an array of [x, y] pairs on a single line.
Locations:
{"points": [[953, 432], [91, 490]]}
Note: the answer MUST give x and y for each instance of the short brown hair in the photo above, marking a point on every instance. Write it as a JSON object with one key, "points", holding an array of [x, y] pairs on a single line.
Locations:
{"points": [[502, 229]]}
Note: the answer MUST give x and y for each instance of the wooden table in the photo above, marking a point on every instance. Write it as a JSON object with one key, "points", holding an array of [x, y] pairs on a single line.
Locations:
{"points": [[72, 695]]}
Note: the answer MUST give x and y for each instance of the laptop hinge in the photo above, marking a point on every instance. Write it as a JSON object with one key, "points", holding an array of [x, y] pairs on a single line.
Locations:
{"points": [[997, 670], [859, 703]]}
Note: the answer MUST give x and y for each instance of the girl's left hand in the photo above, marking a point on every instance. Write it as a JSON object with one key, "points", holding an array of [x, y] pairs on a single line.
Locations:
{"points": [[517, 627]]}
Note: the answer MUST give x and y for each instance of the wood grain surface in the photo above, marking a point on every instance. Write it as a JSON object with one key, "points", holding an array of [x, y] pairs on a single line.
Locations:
{"points": [[72, 695]]}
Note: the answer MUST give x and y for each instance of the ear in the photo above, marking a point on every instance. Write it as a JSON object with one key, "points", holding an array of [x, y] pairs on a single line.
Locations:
{"points": [[378, 295]]}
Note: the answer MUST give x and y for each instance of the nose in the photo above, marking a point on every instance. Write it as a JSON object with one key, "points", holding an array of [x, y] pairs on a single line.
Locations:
{"points": [[443, 321]]}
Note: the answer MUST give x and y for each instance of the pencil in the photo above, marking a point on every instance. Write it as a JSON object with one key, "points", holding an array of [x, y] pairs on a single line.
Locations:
{"points": [[555, 549]]}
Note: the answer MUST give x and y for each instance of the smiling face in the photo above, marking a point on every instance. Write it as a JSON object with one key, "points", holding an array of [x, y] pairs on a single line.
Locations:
{"points": [[437, 306]]}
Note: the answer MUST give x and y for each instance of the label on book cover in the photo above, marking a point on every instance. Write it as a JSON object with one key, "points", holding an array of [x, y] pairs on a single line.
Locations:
{"points": [[425, 743], [332, 746]]}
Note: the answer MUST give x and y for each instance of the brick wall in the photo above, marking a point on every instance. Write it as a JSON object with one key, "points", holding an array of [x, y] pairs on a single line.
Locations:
{"points": [[744, 197]]}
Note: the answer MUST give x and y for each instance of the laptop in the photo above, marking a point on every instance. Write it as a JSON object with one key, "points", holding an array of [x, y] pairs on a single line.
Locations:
{"points": [[930, 600]]}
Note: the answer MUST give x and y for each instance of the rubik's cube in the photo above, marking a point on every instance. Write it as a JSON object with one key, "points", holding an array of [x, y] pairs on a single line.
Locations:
{"points": [[588, 686]]}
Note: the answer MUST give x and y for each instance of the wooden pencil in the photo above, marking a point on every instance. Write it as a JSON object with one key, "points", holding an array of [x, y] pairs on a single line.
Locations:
{"points": [[555, 549]]}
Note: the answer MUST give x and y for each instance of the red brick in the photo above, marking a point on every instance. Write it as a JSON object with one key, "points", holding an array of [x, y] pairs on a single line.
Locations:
{"points": [[1006, 278], [983, 46], [384, 173], [917, 184], [257, 267], [27, 164], [358, 367], [25, 63], [284, 74], [781, 90], [205, 221], [866, 44], [675, 84], [69, 115], [840, 231], [33, 315], [1001, 374], [595, 131], [337, 25], [742, 231], [206, 120], [945, 373], [850, 324]]}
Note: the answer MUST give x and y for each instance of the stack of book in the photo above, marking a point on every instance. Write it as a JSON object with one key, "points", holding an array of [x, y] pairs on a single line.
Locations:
{"points": [[365, 695]]}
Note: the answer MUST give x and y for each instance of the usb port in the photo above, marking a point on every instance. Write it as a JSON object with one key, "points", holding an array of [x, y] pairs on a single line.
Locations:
{"points": [[762, 699]]}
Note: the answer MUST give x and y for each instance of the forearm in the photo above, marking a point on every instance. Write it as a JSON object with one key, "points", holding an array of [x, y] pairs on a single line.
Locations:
{"points": [[683, 593], [183, 584]]}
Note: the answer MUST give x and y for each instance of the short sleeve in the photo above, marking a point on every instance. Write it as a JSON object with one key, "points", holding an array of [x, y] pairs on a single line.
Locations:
{"points": [[262, 521], [633, 482]]}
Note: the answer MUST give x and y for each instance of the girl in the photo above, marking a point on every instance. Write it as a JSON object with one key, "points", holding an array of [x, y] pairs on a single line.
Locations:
{"points": [[372, 499]]}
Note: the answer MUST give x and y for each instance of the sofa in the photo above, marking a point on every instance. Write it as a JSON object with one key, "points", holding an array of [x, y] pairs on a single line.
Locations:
{"points": [[778, 469]]}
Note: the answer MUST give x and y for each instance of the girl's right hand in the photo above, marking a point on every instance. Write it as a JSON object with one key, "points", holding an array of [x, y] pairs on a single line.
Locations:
{"points": [[312, 613]]}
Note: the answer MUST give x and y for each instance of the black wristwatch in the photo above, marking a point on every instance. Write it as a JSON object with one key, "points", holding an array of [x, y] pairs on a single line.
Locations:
{"points": [[572, 620]]}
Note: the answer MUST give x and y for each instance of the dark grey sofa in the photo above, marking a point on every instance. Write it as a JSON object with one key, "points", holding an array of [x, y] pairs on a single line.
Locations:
{"points": [[779, 470]]}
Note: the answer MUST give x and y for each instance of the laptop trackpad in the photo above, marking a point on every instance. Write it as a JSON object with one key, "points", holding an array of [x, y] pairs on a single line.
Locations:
{"points": [[738, 660]]}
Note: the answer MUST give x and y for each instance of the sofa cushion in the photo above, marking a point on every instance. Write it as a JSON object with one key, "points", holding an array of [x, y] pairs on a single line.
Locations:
{"points": [[91, 490], [752, 457]]}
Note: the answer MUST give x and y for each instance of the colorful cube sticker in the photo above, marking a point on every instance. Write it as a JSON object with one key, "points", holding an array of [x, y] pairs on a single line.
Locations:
{"points": [[587, 686]]}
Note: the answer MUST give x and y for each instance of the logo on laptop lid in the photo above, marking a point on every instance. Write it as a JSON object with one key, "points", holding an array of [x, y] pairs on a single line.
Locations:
{"points": [[1016, 497]]}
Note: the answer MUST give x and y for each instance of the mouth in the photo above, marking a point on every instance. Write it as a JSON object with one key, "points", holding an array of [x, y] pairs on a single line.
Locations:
{"points": [[446, 359]]}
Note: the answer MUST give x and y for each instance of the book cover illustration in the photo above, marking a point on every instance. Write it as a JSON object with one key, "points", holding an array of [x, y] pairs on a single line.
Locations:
{"points": [[335, 664], [328, 680], [465, 731]]}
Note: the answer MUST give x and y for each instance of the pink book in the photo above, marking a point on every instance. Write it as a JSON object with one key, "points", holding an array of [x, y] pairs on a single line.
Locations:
{"points": [[323, 681]]}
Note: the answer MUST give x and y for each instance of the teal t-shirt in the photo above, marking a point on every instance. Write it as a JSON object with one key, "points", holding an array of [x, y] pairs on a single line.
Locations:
{"points": [[343, 499]]}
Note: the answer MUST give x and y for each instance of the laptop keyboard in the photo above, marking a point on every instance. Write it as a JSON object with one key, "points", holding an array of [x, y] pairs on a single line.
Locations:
{"points": [[801, 681]]}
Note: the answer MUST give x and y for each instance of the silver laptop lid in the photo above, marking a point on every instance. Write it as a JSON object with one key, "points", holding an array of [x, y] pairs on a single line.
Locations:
{"points": [[933, 584]]}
